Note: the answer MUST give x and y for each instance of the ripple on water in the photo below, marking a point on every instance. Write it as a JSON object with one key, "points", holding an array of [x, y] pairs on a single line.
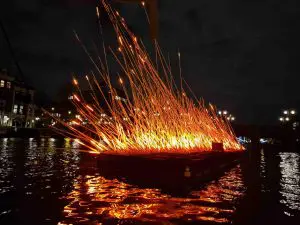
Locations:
{"points": [[30, 171], [289, 182], [7, 166], [96, 199]]}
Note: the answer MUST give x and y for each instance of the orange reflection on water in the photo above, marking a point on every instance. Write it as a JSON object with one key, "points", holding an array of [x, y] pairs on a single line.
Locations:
{"points": [[95, 198]]}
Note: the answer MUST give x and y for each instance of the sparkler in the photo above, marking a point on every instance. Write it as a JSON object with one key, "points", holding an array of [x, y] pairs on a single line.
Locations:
{"points": [[155, 116]]}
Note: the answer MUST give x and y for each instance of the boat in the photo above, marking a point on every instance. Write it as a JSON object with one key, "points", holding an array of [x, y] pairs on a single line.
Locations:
{"points": [[166, 171]]}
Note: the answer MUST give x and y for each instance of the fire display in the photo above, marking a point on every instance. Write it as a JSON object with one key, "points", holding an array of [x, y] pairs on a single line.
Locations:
{"points": [[155, 115]]}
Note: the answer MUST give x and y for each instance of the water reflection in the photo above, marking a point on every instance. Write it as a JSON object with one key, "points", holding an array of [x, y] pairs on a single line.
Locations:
{"points": [[96, 199], [6, 168], [34, 174], [289, 182], [49, 181]]}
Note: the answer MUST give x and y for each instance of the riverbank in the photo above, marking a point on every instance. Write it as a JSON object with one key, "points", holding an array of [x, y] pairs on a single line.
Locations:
{"points": [[7, 132]]}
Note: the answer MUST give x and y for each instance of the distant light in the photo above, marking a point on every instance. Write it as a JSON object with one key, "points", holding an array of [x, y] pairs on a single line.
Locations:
{"points": [[232, 118], [293, 112], [281, 119], [287, 119], [220, 112], [52, 108], [285, 112], [263, 140], [225, 112], [98, 12], [6, 118], [37, 118], [69, 112]]}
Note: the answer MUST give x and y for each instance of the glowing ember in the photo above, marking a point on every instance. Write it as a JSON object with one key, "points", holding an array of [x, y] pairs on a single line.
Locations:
{"points": [[156, 116]]}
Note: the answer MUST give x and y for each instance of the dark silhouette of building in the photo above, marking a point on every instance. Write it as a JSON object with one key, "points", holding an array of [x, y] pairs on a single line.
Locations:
{"points": [[66, 111], [17, 106]]}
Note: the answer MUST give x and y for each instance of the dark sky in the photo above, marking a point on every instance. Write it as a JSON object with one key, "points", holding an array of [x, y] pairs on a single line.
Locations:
{"points": [[241, 55]]}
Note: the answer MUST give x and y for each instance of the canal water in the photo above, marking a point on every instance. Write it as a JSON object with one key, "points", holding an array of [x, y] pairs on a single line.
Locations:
{"points": [[51, 181]]}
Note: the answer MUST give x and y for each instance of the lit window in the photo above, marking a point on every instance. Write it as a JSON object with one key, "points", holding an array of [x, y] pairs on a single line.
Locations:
{"points": [[2, 82], [21, 109], [8, 84], [15, 109], [5, 120]]}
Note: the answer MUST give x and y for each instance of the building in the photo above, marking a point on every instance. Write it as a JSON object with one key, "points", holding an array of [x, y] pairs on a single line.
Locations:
{"points": [[16, 102], [66, 111]]}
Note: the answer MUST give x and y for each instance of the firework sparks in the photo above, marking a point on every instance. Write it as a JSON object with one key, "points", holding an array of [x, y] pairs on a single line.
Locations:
{"points": [[155, 116]]}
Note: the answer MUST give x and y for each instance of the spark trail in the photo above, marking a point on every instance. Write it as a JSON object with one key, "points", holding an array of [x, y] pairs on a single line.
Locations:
{"points": [[156, 115]]}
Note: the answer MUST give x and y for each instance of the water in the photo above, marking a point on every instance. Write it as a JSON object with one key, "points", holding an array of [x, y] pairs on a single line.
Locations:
{"points": [[49, 181]]}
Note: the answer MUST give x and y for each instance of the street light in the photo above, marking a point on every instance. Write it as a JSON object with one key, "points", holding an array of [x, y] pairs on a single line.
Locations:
{"points": [[226, 115], [288, 115], [230, 118], [289, 112]]}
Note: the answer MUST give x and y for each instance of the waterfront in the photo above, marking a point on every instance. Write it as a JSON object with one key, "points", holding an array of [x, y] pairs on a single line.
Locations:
{"points": [[51, 181]]}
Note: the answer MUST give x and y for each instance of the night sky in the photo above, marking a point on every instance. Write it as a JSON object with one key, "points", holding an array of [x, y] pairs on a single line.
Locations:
{"points": [[241, 55]]}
